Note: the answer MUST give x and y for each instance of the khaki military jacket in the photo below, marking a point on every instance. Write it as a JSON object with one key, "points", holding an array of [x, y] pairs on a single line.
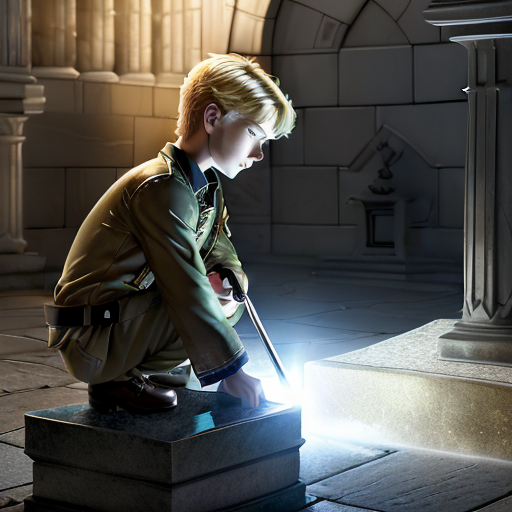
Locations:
{"points": [[156, 215]]}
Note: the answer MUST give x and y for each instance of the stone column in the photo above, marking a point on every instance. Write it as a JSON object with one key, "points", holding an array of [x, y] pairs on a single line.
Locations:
{"points": [[54, 39], [95, 40], [485, 332], [163, 45], [133, 41], [19, 96], [11, 220]]}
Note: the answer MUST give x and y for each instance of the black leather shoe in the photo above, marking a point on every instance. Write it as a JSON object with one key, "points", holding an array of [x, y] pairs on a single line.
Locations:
{"points": [[137, 395]]}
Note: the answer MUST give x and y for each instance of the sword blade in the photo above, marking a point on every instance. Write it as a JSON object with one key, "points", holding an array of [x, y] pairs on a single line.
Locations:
{"points": [[278, 365]]}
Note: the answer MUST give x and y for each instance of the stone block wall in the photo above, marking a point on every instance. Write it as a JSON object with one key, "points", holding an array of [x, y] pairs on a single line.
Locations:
{"points": [[356, 70], [89, 135]]}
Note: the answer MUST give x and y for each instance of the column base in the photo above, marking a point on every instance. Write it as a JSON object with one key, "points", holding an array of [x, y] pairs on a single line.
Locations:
{"points": [[22, 271], [55, 72], [137, 79], [99, 76], [477, 343], [170, 79]]}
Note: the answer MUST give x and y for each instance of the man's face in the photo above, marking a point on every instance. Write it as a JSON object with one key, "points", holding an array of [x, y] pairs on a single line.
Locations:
{"points": [[236, 142]]}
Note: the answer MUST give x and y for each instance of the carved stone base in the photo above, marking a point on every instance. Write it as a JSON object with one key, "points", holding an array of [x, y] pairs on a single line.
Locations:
{"points": [[476, 343]]}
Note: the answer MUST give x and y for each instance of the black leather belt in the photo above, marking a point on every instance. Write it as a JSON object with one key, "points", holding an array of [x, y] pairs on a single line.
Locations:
{"points": [[70, 316]]}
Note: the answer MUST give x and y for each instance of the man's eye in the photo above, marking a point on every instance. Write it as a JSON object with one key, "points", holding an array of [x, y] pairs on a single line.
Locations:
{"points": [[251, 133]]}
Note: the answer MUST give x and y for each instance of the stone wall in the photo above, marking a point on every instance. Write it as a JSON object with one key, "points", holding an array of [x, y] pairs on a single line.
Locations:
{"points": [[351, 69]]}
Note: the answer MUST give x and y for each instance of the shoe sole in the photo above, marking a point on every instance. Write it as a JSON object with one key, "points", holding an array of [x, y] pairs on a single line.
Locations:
{"points": [[111, 404]]}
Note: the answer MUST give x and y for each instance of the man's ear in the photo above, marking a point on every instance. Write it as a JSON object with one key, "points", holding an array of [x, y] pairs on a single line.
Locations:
{"points": [[212, 114]]}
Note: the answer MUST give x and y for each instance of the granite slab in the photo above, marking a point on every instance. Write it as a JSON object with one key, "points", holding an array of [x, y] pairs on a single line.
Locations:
{"points": [[417, 480], [15, 468], [113, 493], [203, 427]]}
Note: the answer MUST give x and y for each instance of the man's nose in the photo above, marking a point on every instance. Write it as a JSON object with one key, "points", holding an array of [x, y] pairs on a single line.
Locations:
{"points": [[258, 154]]}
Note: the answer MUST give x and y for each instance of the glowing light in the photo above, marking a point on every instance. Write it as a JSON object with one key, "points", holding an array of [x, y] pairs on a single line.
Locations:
{"points": [[276, 392]]}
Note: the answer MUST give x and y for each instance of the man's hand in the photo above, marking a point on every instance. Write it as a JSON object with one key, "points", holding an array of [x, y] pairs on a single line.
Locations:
{"points": [[241, 385]]}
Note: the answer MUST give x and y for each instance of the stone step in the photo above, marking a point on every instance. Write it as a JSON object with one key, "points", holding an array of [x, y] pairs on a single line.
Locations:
{"points": [[207, 454], [397, 392]]}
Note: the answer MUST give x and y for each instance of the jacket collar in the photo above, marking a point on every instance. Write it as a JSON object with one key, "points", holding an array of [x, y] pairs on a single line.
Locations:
{"points": [[189, 168]]}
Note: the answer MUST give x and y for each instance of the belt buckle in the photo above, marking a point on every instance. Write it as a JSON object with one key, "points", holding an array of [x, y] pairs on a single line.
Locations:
{"points": [[103, 314]]}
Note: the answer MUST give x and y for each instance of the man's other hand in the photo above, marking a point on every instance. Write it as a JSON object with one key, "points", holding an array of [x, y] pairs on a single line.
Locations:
{"points": [[241, 385]]}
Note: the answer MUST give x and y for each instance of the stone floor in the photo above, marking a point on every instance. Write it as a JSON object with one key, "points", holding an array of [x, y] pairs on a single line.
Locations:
{"points": [[308, 316]]}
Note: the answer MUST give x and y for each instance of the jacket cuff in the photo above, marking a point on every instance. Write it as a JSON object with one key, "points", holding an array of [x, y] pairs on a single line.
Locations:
{"points": [[221, 373]]}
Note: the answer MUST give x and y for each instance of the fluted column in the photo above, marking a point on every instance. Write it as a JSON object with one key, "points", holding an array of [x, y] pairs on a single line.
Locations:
{"points": [[485, 332], [19, 96], [133, 41], [54, 39], [95, 40], [11, 220], [163, 46]]}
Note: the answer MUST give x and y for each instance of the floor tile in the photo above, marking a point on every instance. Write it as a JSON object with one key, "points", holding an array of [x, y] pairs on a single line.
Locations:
{"points": [[14, 438], [16, 467], [18, 348], [18, 493], [321, 458], [14, 405], [21, 376], [412, 481], [35, 333]]}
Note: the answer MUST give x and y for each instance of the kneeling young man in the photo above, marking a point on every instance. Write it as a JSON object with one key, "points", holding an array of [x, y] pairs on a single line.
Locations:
{"points": [[135, 299]]}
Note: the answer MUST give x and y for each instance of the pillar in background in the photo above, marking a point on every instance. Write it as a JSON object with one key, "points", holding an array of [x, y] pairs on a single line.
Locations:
{"points": [[19, 96], [163, 46], [485, 29], [133, 41], [54, 39], [95, 40]]}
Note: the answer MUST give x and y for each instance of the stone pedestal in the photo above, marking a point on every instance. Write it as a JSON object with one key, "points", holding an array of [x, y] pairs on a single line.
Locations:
{"points": [[208, 454], [485, 29]]}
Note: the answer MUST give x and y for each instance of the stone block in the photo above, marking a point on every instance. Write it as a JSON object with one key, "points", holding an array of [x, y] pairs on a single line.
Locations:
{"points": [[131, 100], [375, 76], [451, 198], [440, 72], [305, 195], [18, 494], [321, 241], [83, 189], [59, 94], [43, 198], [335, 136], [331, 506], [70, 140], [16, 467], [21, 264], [296, 28], [251, 35], [54, 244], [290, 150], [251, 238], [414, 480], [151, 135], [413, 23], [186, 459], [97, 98], [166, 101], [249, 193], [436, 131], [374, 27], [395, 8], [503, 505], [310, 80], [342, 11]]}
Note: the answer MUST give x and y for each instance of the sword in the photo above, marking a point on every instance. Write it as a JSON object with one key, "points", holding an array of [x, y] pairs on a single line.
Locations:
{"points": [[240, 296]]}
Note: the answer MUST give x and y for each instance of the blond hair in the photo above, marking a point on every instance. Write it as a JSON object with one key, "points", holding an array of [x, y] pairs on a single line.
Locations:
{"points": [[234, 83]]}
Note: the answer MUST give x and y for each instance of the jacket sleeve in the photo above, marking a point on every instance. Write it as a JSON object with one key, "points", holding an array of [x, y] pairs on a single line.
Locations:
{"points": [[164, 214]]}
